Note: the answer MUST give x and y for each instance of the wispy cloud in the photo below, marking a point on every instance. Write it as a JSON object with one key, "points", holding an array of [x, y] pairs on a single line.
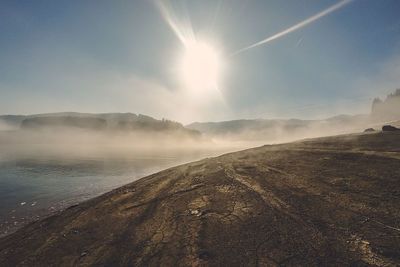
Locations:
{"points": [[297, 26]]}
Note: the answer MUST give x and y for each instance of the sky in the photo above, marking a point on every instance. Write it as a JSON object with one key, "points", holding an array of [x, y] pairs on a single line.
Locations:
{"points": [[123, 56]]}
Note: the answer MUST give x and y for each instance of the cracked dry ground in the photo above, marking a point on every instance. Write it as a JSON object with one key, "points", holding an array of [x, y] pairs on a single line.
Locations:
{"points": [[327, 201]]}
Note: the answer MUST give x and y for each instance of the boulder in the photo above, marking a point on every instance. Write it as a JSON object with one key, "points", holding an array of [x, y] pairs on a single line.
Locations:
{"points": [[389, 128]]}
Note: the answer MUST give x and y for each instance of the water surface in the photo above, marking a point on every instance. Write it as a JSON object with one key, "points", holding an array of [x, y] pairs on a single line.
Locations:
{"points": [[36, 185]]}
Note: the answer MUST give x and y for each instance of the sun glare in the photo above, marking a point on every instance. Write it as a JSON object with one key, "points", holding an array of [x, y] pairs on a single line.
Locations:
{"points": [[200, 66]]}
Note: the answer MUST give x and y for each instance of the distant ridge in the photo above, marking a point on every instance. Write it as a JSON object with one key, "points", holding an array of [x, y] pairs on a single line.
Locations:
{"points": [[93, 121], [276, 129], [382, 112], [388, 109]]}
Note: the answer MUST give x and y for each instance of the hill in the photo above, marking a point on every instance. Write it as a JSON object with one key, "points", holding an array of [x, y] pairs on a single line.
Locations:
{"points": [[388, 109], [103, 121], [64, 122], [326, 201], [283, 130], [94, 134], [275, 130]]}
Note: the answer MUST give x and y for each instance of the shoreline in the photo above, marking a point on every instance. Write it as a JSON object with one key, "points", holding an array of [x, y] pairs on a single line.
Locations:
{"points": [[13, 219], [325, 201], [8, 226]]}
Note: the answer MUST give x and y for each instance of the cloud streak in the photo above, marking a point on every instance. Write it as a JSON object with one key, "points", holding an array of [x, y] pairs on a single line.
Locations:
{"points": [[296, 27]]}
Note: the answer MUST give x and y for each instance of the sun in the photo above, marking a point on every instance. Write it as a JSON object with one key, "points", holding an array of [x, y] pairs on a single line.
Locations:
{"points": [[200, 66]]}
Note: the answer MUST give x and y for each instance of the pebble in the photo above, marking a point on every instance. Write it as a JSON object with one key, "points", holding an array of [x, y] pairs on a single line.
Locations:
{"points": [[195, 212]]}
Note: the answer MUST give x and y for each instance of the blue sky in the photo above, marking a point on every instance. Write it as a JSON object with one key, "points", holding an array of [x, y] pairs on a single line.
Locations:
{"points": [[120, 56]]}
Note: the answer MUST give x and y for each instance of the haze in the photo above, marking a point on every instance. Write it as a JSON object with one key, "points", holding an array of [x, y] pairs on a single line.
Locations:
{"points": [[124, 57], [199, 133]]}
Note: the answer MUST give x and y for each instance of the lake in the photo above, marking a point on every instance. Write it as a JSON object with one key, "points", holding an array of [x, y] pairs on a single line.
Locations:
{"points": [[34, 186]]}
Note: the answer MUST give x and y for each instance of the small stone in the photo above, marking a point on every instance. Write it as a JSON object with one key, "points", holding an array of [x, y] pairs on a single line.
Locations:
{"points": [[195, 212]]}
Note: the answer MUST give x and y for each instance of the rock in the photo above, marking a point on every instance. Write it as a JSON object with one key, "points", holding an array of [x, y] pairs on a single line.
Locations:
{"points": [[389, 128], [369, 130], [196, 212]]}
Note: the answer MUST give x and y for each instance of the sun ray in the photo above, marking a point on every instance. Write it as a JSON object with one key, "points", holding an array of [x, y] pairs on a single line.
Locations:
{"points": [[182, 28], [200, 63]]}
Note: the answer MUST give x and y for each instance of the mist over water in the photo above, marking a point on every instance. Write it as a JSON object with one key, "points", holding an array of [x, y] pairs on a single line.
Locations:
{"points": [[48, 163], [43, 172]]}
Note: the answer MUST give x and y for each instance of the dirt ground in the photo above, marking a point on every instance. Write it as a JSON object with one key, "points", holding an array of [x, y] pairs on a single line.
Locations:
{"points": [[331, 201]]}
